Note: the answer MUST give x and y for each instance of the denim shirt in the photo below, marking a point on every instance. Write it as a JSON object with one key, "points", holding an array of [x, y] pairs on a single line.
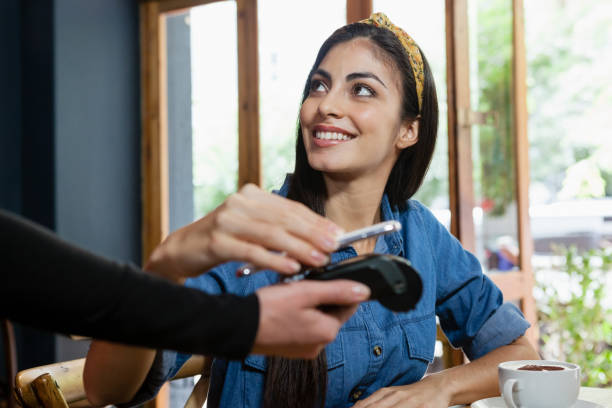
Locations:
{"points": [[376, 347]]}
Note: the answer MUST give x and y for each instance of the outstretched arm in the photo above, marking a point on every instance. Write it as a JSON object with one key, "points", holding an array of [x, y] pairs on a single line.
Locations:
{"points": [[93, 296]]}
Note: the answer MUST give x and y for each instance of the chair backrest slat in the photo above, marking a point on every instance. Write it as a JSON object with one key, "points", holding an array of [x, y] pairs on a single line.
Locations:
{"points": [[48, 393], [60, 385]]}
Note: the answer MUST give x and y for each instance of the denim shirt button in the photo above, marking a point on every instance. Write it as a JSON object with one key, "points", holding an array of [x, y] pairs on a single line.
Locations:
{"points": [[377, 350], [355, 394]]}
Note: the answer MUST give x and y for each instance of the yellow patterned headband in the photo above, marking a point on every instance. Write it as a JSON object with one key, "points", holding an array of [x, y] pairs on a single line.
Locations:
{"points": [[414, 54]]}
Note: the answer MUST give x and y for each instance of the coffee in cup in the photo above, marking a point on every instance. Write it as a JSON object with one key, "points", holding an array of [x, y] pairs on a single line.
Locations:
{"points": [[536, 367], [539, 383]]}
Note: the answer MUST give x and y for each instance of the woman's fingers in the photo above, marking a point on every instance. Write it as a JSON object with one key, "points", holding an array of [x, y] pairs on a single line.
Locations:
{"points": [[226, 247], [284, 205], [275, 223], [253, 226], [275, 238], [293, 217]]}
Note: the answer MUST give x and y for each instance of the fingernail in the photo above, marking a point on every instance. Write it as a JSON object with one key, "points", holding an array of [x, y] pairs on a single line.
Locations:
{"points": [[336, 230], [329, 244], [318, 257], [293, 265], [361, 292]]}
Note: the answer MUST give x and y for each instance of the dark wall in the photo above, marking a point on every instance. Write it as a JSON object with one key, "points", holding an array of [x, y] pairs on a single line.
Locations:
{"points": [[27, 167], [97, 125], [10, 106], [97, 137], [37, 112], [69, 130], [10, 118]]}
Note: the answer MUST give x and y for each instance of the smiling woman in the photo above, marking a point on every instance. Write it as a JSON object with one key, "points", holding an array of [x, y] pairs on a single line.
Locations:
{"points": [[366, 134]]}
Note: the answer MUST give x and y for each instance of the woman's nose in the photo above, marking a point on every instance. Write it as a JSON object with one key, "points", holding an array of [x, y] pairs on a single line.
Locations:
{"points": [[331, 104]]}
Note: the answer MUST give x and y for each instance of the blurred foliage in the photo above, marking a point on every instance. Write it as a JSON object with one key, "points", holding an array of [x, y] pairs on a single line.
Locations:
{"points": [[569, 60], [576, 325], [569, 57], [216, 177], [494, 165]]}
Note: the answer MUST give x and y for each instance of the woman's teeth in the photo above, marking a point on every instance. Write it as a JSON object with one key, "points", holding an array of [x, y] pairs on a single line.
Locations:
{"points": [[331, 136]]}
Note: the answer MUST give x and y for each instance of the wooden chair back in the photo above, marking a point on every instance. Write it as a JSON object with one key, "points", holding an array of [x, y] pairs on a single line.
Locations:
{"points": [[60, 385]]}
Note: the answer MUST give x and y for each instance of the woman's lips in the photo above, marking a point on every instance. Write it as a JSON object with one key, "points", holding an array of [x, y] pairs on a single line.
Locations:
{"points": [[325, 136]]}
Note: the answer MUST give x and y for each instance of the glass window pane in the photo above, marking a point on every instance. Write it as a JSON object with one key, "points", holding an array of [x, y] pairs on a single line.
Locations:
{"points": [[202, 109], [290, 34], [180, 168], [428, 28], [214, 76], [495, 211], [569, 60]]}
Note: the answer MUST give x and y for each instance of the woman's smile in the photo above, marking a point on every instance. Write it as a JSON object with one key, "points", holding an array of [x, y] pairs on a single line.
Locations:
{"points": [[326, 135]]}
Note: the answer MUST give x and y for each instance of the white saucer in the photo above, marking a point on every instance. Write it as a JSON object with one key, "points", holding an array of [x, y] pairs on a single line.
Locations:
{"points": [[498, 402]]}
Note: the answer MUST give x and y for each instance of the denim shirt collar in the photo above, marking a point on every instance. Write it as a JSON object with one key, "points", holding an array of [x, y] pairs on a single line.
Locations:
{"points": [[394, 240]]}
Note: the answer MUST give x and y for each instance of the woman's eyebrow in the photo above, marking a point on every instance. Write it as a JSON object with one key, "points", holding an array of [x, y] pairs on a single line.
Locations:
{"points": [[356, 75], [323, 73]]}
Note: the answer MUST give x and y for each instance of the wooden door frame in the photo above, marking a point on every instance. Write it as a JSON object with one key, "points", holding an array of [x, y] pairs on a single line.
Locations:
{"points": [[515, 285], [521, 139], [154, 166], [357, 10]]}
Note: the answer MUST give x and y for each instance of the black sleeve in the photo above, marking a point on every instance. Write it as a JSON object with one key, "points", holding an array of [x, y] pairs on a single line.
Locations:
{"points": [[48, 283]]}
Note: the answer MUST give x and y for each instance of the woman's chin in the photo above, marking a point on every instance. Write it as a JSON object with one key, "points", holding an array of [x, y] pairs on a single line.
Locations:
{"points": [[335, 172], [325, 167]]}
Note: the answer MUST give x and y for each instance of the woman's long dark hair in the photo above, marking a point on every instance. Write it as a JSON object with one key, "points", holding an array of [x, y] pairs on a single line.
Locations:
{"points": [[303, 383]]}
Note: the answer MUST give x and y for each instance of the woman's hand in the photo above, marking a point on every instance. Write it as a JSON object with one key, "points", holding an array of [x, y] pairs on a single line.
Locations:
{"points": [[430, 392], [248, 226]]}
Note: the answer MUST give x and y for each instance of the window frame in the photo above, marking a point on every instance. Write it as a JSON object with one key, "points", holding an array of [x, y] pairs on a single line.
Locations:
{"points": [[515, 285], [154, 154]]}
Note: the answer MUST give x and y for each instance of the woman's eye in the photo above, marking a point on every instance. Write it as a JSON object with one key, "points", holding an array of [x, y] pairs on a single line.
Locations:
{"points": [[317, 86], [362, 90]]}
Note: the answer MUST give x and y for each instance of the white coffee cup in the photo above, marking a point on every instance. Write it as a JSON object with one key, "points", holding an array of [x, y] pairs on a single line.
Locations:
{"points": [[539, 389]]}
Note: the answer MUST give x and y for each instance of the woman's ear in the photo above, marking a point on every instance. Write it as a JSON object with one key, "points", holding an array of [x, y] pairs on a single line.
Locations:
{"points": [[408, 134]]}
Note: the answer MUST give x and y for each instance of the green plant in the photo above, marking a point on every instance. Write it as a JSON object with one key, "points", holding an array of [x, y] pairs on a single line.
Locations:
{"points": [[575, 323], [494, 167]]}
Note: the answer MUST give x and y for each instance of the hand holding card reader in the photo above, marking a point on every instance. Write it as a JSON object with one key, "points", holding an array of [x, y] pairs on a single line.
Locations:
{"points": [[345, 240], [392, 280]]}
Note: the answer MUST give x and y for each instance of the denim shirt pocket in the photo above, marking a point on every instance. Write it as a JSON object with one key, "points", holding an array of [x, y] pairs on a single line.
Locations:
{"points": [[335, 372], [254, 374], [255, 367], [335, 353], [421, 337]]}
